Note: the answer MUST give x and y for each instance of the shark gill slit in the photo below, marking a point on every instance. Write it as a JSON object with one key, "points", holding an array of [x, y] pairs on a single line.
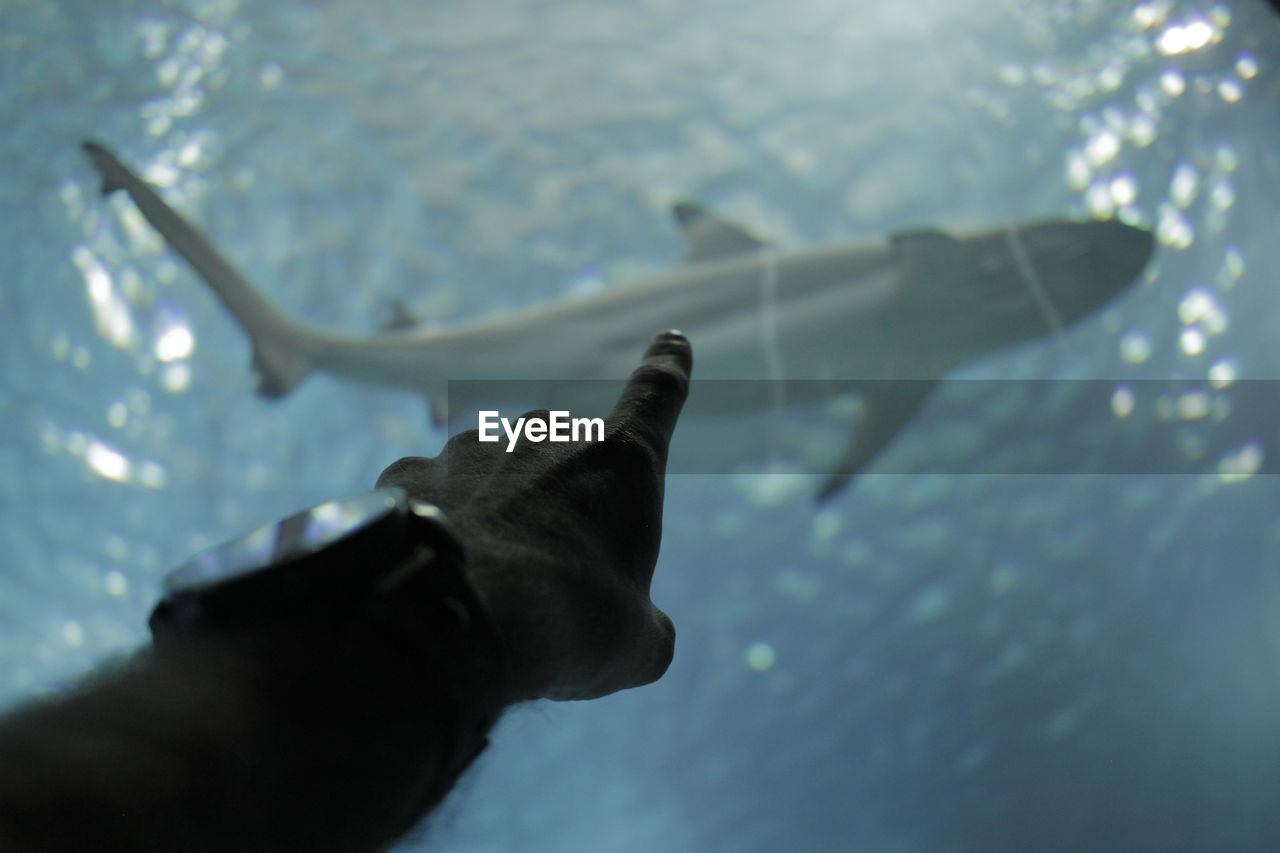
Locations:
{"points": [[1027, 271], [769, 326]]}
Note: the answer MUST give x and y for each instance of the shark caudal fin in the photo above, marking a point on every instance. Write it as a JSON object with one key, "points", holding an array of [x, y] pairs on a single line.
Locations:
{"points": [[280, 357], [111, 170]]}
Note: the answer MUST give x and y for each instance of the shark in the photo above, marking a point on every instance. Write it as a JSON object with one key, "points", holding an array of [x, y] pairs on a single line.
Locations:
{"points": [[887, 318]]}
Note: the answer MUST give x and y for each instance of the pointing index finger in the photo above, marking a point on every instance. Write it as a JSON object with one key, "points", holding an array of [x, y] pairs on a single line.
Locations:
{"points": [[656, 392]]}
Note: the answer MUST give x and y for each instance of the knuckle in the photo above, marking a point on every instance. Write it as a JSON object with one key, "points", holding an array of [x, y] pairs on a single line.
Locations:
{"points": [[467, 436], [663, 648], [402, 469]]}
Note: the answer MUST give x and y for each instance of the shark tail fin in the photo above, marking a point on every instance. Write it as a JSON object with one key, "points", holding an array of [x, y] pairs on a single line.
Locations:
{"points": [[112, 170], [281, 357], [278, 367]]}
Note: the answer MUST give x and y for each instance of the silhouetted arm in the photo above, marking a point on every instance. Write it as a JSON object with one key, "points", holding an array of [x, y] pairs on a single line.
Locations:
{"points": [[246, 745], [340, 743]]}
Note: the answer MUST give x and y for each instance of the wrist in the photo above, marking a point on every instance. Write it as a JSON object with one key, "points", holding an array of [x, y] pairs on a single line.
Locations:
{"points": [[525, 613], [371, 591]]}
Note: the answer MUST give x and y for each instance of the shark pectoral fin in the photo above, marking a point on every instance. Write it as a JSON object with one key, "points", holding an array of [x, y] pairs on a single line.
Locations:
{"points": [[929, 255], [708, 236], [437, 409], [886, 408], [278, 367]]}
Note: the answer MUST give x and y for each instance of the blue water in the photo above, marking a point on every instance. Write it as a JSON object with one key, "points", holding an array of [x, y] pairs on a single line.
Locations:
{"points": [[932, 663]]}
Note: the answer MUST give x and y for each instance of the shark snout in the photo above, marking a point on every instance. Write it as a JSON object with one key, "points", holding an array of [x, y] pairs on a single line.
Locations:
{"points": [[1081, 266], [1115, 251]]}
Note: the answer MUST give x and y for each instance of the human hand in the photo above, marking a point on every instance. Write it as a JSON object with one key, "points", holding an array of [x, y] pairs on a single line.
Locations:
{"points": [[562, 538]]}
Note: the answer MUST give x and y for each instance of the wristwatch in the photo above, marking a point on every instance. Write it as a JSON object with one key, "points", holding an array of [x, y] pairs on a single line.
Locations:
{"points": [[381, 561]]}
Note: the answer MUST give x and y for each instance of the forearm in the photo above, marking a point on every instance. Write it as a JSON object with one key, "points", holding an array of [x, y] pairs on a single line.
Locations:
{"points": [[231, 746]]}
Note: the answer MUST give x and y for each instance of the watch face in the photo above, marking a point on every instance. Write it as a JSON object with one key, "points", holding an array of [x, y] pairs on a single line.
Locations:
{"points": [[287, 540]]}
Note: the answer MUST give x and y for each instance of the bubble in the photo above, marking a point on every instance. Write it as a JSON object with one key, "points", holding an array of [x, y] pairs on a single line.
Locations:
{"points": [[1222, 373], [1223, 195], [167, 71], [72, 633], [1012, 75], [60, 347], [1230, 91], [1232, 267], [1102, 147], [1190, 36], [1135, 347], [1193, 406], [931, 603], [154, 35], [1147, 15], [1122, 402], [1172, 229], [110, 310], [270, 75], [115, 583], [1078, 171], [1110, 77], [107, 462], [1142, 131], [1192, 341], [1183, 187], [802, 587], [174, 343], [152, 475], [139, 401], [1124, 189], [115, 547], [761, 656], [1099, 201], [1173, 83], [826, 524], [1002, 579], [1226, 158], [176, 378], [1242, 464], [1200, 306], [1195, 305]]}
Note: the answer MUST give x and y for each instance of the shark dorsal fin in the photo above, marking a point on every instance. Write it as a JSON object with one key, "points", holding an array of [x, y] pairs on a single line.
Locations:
{"points": [[708, 236], [930, 255], [929, 245], [401, 319]]}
